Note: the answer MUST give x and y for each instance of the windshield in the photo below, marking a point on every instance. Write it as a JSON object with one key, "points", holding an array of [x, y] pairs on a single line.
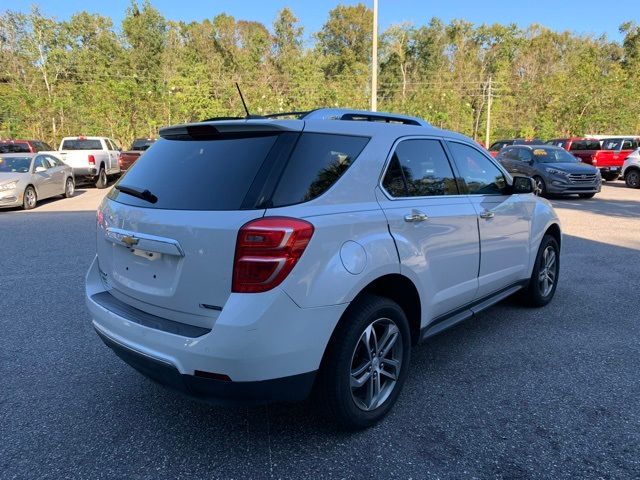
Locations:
{"points": [[81, 144], [6, 147], [553, 155], [15, 164]]}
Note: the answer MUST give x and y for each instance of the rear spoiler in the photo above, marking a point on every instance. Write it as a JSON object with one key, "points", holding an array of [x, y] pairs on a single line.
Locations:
{"points": [[225, 128]]}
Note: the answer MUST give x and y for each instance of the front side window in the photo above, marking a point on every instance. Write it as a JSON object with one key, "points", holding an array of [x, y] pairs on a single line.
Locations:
{"points": [[524, 155], [40, 163], [479, 174], [419, 168]]}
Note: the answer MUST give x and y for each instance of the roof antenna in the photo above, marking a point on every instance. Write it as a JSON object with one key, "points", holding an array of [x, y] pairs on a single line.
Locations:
{"points": [[243, 102]]}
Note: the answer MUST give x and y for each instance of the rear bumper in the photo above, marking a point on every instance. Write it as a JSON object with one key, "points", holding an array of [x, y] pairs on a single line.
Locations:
{"points": [[287, 389], [85, 173], [269, 347]]}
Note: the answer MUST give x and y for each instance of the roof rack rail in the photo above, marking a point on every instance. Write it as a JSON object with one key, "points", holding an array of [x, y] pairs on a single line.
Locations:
{"points": [[362, 115]]}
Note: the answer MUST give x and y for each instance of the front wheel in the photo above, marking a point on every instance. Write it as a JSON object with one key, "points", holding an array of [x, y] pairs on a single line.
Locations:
{"points": [[539, 188], [366, 363], [632, 178], [30, 199], [544, 278], [102, 180], [586, 195]]}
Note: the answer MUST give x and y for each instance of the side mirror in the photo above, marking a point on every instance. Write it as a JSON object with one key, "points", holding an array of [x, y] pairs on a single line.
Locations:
{"points": [[40, 169], [523, 185]]}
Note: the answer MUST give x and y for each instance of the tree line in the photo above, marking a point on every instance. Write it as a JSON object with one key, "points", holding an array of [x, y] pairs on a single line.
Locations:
{"points": [[85, 76]]}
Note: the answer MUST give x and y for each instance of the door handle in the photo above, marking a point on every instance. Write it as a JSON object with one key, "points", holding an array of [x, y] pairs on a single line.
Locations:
{"points": [[415, 216], [487, 214]]}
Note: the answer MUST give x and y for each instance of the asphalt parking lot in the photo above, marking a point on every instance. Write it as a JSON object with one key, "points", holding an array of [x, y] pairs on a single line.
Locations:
{"points": [[515, 393]]}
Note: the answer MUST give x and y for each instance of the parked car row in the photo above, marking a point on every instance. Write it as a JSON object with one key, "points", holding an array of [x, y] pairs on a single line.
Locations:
{"points": [[606, 154], [30, 170]]}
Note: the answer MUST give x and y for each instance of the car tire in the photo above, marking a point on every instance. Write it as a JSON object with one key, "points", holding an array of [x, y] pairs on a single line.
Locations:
{"points": [[30, 198], [102, 180], [540, 188], [610, 177], [586, 195], [69, 187], [349, 360], [539, 291], [632, 178]]}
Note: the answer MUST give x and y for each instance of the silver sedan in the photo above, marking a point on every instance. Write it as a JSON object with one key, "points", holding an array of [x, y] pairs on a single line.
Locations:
{"points": [[26, 178]]}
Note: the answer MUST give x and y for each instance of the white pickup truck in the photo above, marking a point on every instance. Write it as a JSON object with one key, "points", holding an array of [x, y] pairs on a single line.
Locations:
{"points": [[93, 159]]}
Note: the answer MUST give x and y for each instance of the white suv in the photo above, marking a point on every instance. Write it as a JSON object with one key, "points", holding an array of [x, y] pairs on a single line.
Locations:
{"points": [[251, 260], [631, 170]]}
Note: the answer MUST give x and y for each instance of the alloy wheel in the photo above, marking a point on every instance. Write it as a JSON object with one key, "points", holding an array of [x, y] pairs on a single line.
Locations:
{"points": [[539, 187], [70, 187], [633, 179], [31, 197], [548, 272], [376, 364]]}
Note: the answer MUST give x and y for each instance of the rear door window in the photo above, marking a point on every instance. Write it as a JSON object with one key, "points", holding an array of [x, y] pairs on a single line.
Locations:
{"points": [[317, 162], [419, 168]]}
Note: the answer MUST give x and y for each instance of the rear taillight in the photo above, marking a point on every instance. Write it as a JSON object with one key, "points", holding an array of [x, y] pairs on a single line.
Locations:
{"points": [[92, 160], [267, 249], [594, 160], [120, 160]]}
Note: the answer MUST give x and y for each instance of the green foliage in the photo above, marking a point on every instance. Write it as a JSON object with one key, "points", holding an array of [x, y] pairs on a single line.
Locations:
{"points": [[85, 75]]}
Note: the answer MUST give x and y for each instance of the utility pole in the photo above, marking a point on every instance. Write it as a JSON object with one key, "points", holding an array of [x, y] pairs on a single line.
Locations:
{"points": [[489, 100], [374, 60]]}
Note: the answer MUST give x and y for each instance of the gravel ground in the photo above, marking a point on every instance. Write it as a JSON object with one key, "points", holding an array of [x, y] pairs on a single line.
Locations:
{"points": [[515, 393]]}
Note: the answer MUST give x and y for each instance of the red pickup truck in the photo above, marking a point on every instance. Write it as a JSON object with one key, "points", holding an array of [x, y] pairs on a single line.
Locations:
{"points": [[23, 146], [607, 154], [128, 158]]}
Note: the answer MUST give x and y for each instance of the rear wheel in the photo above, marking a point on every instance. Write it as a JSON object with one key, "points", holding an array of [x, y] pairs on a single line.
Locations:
{"points": [[69, 187], [366, 363], [102, 180], [632, 178], [586, 195], [540, 187], [610, 177], [544, 278], [30, 199]]}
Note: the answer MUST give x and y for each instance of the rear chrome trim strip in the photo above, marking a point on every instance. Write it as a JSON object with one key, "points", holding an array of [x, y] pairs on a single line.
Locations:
{"points": [[144, 241]]}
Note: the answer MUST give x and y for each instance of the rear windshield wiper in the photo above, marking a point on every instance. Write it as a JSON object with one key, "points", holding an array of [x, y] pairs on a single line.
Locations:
{"points": [[145, 195]]}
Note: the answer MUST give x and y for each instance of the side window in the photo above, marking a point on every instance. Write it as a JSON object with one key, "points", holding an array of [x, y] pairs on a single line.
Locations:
{"points": [[40, 163], [109, 144], [54, 162], [627, 145], [317, 162], [420, 168], [510, 153], [524, 155], [479, 174]]}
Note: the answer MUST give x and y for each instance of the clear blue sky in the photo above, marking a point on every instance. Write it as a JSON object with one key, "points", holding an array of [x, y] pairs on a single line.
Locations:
{"points": [[582, 16]]}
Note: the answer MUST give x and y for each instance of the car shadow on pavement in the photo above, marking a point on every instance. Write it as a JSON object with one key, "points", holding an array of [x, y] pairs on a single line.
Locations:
{"points": [[607, 207]]}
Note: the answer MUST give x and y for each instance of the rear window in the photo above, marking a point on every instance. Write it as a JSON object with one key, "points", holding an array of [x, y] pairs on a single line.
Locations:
{"points": [[240, 171], [78, 144], [141, 145], [585, 145], [211, 174], [317, 162], [14, 147]]}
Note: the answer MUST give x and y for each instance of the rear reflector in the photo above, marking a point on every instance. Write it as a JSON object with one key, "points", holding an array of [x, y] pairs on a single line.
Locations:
{"points": [[267, 249], [212, 376]]}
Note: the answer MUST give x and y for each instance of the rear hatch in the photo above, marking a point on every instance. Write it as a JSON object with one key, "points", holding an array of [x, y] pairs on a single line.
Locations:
{"points": [[173, 256]]}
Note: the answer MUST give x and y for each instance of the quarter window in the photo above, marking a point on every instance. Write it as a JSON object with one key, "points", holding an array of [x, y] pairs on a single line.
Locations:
{"points": [[479, 174], [419, 168]]}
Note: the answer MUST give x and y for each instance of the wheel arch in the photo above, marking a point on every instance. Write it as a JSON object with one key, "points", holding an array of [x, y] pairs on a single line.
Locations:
{"points": [[554, 231]]}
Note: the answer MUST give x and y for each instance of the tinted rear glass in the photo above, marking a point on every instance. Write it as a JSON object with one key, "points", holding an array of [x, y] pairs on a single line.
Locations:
{"points": [[81, 145], [585, 145], [317, 162], [141, 145], [197, 174], [14, 148]]}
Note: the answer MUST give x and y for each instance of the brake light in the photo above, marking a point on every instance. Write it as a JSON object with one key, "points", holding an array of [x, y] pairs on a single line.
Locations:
{"points": [[267, 249], [92, 160], [120, 160]]}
